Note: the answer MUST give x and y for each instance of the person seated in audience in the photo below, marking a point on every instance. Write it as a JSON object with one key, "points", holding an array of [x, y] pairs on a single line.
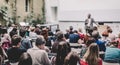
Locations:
{"points": [[32, 34], [72, 59], [39, 32], [87, 44], [46, 37], [91, 56], [118, 40], [112, 53], [111, 36], [15, 52], [74, 37], [62, 51], [100, 43], [81, 34], [59, 38], [105, 38], [71, 30], [25, 59], [13, 32], [25, 42], [38, 53], [6, 42], [67, 34]]}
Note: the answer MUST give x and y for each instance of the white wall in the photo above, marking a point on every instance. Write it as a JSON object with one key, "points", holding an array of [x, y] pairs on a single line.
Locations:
{"points": [[101, 10], [51, 12]]}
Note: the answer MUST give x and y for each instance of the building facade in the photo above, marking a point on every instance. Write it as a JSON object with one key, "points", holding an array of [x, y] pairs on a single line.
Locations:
{"points": [[23, 10]]}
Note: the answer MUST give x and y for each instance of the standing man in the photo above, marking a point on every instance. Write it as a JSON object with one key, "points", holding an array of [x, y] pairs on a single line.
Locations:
{"points": [[89, 24]]}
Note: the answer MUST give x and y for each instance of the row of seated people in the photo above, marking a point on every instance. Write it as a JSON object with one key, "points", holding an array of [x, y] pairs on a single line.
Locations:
{"points": [[59, 38], [64, 55]]}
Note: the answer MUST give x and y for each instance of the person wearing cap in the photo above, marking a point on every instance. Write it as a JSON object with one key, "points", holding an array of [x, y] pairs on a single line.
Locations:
{"points": [[38, 53]]}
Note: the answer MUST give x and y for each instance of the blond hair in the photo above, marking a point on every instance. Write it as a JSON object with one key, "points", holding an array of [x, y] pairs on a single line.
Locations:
{"points": [[92, 54]]}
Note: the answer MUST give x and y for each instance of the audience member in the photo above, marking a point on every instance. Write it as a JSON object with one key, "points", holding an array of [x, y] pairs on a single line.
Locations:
{"points": [[112, 53], [67, 34], [25, 59], [13, 32], [87, 44], [15, 52], [25, 42], [72, 59], [38, 53], [59, 38], [100, 43], [73, 38], [91, 56], [62, 52], [118, 40], [5, 41]]}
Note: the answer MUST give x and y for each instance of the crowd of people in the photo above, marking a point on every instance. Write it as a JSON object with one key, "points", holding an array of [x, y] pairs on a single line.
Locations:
{"points": [[32, 45]]}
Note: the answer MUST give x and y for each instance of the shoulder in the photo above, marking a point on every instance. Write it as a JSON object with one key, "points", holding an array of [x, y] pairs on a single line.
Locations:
{"points": [[83, 62]]}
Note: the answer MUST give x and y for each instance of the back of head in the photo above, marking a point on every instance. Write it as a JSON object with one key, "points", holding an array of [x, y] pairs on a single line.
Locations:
{"points": [[72, 58], [110, 30], [95, 28], [92, 54], [114, 44], [63, 50], [95, 34], [39, 41], [59, 35], [25, 59], [75, 31], [71, 27], [22, 32], [90, 41], [16, 40]]}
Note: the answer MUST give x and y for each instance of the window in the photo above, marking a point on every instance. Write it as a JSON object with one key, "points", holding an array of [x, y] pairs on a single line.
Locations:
{"points": [[27, 4]]}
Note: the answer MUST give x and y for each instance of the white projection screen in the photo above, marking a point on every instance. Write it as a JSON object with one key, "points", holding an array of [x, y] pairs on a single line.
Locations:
{"points": [[77, 10]]}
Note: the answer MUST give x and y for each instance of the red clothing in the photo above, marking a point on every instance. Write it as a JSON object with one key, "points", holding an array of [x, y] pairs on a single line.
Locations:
{"points": [[118, 43], [85, 63]]}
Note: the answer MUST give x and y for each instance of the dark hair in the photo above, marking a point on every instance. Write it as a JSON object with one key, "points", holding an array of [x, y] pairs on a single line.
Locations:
{"points": [[14, 29], [110, 30], [39, 41], [25, 59], [38, 31], [15, 40], [75, 31], [114, 43], [22, 32], [71, 27], [71, 59], [90, 41], [95, 34], [59, 35], [95, 28], [62, 51], [57, 30]]}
